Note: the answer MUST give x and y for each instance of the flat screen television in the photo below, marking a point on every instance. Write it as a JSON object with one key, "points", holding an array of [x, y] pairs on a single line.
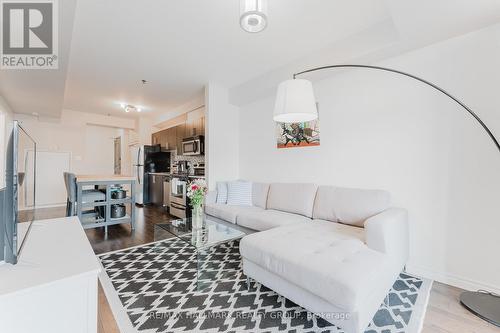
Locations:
{"points": [[19, 197]]}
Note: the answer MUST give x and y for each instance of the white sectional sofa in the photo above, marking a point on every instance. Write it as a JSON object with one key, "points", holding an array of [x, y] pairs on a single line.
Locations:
{"points": [[334, 251]]}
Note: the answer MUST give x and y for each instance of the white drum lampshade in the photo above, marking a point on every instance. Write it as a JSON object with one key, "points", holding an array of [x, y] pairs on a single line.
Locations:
{"points": [[253, 15], [295, 102]]}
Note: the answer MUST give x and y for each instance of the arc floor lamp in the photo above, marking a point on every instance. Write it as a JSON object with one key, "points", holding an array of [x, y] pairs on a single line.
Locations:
{"points": [[295, 103]]}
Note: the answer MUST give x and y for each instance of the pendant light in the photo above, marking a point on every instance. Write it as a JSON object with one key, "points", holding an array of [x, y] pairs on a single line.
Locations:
{"points": [[253, 15], [295, 102]]}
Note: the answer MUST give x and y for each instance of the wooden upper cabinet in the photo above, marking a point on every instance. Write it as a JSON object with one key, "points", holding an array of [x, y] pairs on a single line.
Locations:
{"points": [[195, 127], [180, 134], [171, 138], [163, 139], [155, 138], [188, 131]]}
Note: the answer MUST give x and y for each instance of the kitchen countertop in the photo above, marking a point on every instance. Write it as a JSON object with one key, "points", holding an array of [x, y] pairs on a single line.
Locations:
{"points": [[103, 178], [167, 174]]}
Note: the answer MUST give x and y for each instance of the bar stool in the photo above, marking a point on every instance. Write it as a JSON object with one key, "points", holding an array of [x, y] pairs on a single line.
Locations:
{"points": [[87, 195]]}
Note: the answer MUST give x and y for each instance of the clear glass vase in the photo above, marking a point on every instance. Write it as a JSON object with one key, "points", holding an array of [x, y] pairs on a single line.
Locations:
{"points": [[197, 217]]}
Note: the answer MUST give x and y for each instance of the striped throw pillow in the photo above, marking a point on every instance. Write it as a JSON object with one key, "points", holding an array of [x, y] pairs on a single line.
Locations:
{"points": [[239, 193], [221, 193]]}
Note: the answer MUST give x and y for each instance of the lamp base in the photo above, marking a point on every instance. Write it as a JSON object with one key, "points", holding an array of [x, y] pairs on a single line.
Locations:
{"points": [[483, 305]]}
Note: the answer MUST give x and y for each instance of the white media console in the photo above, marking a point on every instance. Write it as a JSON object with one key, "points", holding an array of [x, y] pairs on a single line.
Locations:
{"points": [[53, 288]]}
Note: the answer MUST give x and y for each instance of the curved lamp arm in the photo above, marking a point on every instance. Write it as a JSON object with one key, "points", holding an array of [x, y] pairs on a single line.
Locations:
{"points": [[459, 102], [480, 303]]}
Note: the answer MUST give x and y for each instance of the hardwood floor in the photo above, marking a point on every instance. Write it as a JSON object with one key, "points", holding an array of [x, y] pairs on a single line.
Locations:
{"points": [[444, 312]]}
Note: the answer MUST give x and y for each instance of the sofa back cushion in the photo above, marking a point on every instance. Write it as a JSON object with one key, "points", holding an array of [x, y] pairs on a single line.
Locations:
{"points": [[292, 198], [239, 193], [259, 194], [349, 205], [221, 192]]}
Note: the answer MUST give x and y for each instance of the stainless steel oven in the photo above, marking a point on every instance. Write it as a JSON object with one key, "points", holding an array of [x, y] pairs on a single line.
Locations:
{"points": [[194, 145], [178, 198]]}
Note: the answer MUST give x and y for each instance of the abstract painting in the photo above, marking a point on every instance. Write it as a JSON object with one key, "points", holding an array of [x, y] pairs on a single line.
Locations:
{"points": [[297, 134]]}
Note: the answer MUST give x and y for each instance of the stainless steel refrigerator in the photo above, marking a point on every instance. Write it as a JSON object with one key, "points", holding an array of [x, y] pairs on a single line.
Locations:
{"points": [[146, 159]]}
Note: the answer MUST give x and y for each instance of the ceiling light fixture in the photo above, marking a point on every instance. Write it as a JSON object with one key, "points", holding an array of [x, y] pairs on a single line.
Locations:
{"points": [[130, 108], [253, 15]]}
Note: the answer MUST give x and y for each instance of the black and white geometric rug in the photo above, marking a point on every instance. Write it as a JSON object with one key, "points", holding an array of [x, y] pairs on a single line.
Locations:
{"points": [[155, 286]]}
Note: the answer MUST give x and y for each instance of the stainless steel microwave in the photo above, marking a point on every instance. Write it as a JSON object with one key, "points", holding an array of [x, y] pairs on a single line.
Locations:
{"points": [[194, 145]]}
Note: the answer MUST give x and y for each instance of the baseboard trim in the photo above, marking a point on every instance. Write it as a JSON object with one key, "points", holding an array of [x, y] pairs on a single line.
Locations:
{"points": [[450, 279]]}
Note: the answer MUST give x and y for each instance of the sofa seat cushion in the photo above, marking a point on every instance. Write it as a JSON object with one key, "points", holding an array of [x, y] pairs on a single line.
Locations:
{"points": [[268, 219], [227, 212], [316, 257], [345, 230]]}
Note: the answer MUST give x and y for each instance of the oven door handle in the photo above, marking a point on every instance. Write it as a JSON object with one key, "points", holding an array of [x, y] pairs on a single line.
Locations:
{"points": [[176, 205]]}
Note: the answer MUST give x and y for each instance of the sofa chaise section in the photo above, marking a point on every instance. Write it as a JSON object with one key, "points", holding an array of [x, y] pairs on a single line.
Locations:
{"points": [[335, 276], [334, 251]]}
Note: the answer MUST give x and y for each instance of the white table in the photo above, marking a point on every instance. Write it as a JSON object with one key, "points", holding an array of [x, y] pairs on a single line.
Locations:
{"points": [[53, 288]]}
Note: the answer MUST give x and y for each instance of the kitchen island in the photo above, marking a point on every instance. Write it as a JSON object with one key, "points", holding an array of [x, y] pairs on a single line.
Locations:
{"points": [[88, 212]]}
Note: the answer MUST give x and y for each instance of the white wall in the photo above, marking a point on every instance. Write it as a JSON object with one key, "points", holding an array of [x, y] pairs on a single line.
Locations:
{"points": [[91, 145], [221, 131], [144, 129], [379, 130]]}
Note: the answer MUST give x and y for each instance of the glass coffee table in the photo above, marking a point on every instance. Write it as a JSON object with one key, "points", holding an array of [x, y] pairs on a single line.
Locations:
{"points": [[203, 236]]}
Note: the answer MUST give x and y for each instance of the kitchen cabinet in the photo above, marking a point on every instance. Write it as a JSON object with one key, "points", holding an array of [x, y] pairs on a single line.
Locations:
{"points": [[155, 138], [189, 129], [171, 138], [163, 139], [195, 127], [180, 134]]}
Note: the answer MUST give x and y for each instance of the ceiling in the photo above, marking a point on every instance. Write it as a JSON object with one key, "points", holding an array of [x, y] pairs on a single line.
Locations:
{"points": [[42, 91], [109, 46], [409, 25]]}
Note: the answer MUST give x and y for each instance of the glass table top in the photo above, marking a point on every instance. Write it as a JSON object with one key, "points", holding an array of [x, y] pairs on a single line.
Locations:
{"points": [[203, 233]]}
